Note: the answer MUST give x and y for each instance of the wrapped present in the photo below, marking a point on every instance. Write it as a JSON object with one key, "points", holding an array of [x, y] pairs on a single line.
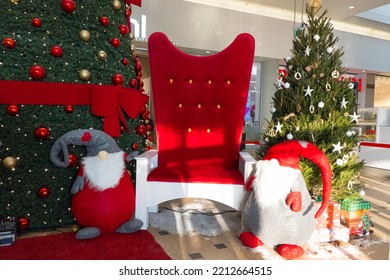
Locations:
{"points": [[330, 217], [7, 231], [357, 221], [352, 205], [336, 233]]}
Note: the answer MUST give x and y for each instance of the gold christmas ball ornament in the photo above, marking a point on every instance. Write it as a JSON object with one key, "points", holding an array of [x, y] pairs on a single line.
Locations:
{"points": [[102, 55], [9, 162], [116, 4], [85, 35], [85, 75], [131, 36], [15, 1], [133, 47]]}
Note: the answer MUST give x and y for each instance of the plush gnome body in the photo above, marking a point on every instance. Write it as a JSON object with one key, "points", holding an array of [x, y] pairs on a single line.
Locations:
{"points": [[103, 193], [279, 211]]}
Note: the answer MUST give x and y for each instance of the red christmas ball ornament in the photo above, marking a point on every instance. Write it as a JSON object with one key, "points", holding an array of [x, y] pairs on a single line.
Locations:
{"points": [[42, 133], [138, 66], [9, 43], [36, 22], [23, 223], [13, 110], [149, 127], [123, 29], [69, 109], [141, 82], [141, 129], [69, 6], [72, 160], [133, 83], [37, 72], [115, 42], [117, 79], [127, 13], [104, 21], [134, 146], [125, 61], [44, 192], [56, 51]]}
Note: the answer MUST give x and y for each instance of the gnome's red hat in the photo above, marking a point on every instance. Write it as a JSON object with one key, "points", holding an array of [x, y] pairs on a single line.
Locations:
{"points": [[288, 154]]}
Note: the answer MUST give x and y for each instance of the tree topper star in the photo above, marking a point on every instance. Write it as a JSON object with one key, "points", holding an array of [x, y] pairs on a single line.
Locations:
{"points": [[308, 91], [337, 147]]}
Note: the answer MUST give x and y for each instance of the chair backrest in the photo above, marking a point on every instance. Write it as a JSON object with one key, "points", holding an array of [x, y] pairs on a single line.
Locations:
{"points": [[199, 102]]}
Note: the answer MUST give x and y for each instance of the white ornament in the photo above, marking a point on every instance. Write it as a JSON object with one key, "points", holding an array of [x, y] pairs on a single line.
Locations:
{"points": [[349, 133], [329, 49], [307, 51], [266, 140], [297, 76], [362, 193], [279, 127], [355, 117], [339, 161], [351, 85], [289, 136], [311, 109], [286, 84], [316, 37], [308, 90], [328, 87], [344, 103], [290, 67], [337, 147], [321, 104], [335, 74], [273, 109]]}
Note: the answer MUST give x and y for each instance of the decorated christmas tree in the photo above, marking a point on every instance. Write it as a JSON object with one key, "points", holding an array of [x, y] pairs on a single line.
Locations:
{"points": [[64, 65], [314, 101]]}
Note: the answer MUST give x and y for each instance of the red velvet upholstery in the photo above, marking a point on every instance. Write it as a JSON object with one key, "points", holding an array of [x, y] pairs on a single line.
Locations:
{"points": [[199, 106]]}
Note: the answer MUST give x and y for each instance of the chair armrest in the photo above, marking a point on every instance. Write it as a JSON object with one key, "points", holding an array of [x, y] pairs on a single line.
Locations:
{"points": [[146, 162], [246, 164]]}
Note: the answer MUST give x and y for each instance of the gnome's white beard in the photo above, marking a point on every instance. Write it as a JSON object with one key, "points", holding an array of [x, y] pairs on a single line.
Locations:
{"points": [[273, 182], [103, 174]]}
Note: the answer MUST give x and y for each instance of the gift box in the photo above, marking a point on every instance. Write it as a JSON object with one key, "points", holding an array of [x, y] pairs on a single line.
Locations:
{"points": [[7, 231], [355, 214], [352, 205], [336, 233], [330, 217]]}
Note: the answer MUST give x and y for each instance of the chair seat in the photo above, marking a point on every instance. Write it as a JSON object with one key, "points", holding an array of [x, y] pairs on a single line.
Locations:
{"points": [[203, 174]]}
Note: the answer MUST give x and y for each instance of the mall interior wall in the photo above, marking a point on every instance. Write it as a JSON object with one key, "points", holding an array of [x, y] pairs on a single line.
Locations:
{"points": [[203, 27]]}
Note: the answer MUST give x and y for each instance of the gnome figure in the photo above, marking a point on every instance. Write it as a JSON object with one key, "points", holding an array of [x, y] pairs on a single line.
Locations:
{"points": [[103, 193], [280, 212]]}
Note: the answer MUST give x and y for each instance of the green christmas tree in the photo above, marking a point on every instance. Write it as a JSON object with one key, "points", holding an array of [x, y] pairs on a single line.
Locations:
{"points": [[64, 65], [314, 102]]}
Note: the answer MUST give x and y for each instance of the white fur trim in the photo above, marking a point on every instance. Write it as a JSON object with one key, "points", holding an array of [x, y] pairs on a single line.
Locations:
{"points": [[106, 173], [273, 182]]}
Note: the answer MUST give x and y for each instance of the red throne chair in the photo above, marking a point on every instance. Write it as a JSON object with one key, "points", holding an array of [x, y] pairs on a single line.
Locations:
{"points": [[199, 107]]}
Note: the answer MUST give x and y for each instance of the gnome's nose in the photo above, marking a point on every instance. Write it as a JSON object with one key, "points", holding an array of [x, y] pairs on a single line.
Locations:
{"points": [[103, 155]]}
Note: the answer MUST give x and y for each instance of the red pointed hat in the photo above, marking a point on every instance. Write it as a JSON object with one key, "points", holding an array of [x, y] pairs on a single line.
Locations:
{"points": [[288, 154]]}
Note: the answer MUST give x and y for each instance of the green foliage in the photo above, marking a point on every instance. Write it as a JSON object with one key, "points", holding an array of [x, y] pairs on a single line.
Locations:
{"points": [[19, 185], [313, 102]]}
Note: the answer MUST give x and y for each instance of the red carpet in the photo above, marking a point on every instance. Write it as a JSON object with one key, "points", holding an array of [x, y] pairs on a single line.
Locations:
{"points": [[108, 246]]}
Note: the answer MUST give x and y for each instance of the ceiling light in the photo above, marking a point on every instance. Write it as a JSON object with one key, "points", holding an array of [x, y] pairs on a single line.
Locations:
{"points": [[351, 7]]}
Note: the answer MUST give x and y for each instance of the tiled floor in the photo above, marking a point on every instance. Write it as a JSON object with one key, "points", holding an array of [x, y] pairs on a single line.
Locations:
{"points": [[187, 235]]}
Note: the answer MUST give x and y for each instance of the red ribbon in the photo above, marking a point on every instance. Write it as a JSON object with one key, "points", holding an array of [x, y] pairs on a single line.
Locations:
{"points": [[106, 101]]}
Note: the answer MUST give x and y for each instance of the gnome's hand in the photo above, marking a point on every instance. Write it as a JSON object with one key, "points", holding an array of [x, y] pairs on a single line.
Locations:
{"points": [[78, 185], [294, 199]]}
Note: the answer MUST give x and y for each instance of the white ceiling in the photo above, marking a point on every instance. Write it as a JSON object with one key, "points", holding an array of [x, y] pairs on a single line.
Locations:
{"points": [[368, 17]]}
